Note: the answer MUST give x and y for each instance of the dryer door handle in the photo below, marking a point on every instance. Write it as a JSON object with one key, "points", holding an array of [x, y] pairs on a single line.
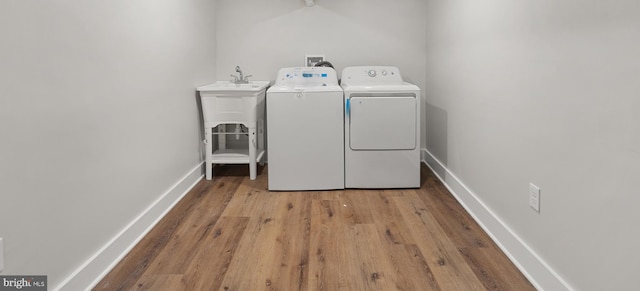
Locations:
{"points": [[348, 107]]}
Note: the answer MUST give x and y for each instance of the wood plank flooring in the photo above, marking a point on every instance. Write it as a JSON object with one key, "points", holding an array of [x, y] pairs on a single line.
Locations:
{"points": [[232, 234]]}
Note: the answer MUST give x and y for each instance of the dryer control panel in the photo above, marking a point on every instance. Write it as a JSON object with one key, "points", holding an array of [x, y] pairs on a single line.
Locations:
{"points": [[371, 74]]}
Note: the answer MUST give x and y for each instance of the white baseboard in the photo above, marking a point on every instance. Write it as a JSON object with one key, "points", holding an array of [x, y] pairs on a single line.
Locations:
{"points": [[526, 260], [99, 265]]}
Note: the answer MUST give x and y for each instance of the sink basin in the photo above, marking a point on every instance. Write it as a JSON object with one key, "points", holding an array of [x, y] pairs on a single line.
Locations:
{"points": [[227, 86], [224, 102]]}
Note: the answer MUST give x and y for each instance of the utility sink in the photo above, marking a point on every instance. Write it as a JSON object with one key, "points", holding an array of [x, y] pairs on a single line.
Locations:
{"points": [[228, 86], [225, 103]]}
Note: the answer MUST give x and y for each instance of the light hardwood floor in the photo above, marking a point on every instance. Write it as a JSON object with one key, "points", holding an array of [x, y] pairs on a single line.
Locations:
{"points": [[233, 234]]}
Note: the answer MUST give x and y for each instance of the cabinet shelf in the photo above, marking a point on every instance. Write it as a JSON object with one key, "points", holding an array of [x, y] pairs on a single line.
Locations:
{"points": [[235, 156]]}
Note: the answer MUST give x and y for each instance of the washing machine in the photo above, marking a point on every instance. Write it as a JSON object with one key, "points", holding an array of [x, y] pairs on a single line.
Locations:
{"points": [[305, 130], [381, 128]]}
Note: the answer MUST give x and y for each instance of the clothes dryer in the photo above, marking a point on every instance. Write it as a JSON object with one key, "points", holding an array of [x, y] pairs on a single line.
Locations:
{"points": [[382, 128]]}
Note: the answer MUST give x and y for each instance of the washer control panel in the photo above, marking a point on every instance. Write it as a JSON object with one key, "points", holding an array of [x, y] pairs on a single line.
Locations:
{"points": [[385, 74], [307, 76]]}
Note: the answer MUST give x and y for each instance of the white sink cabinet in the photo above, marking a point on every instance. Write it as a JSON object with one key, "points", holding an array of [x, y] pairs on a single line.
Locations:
{"points": [[225, 103]]}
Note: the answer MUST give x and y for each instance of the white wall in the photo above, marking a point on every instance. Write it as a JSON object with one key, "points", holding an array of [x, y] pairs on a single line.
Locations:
{"points": [[98, 118], [544, 92], [264, 36]]}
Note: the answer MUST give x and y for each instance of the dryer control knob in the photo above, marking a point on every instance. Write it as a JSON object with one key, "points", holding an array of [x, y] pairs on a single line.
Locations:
{"points": [[372, 73]]}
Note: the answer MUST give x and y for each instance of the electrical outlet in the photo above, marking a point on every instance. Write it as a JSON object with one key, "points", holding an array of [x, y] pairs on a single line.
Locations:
{"points": [[534, 197], [1, 255]]}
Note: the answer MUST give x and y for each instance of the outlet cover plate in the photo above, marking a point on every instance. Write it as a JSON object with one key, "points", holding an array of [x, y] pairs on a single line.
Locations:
{"points": [[534, 197]]}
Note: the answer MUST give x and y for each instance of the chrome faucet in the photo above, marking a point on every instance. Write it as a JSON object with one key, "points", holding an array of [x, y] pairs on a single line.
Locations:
{"points": [[238, 70], [242, 79]]}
